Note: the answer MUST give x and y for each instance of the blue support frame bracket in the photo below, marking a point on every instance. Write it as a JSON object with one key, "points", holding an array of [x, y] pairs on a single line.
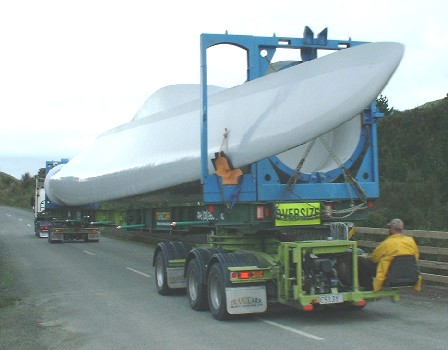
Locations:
{"points": [[253, 186]]}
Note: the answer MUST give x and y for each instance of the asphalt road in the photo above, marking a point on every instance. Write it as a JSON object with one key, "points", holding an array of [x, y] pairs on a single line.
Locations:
{"points": [[103, 296]]}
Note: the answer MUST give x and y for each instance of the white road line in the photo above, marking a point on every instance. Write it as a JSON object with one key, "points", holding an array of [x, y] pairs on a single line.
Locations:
{"points": [[20, 219], [85, 251], [29, 225], [140, 273], [308, 335], [9, 215]]}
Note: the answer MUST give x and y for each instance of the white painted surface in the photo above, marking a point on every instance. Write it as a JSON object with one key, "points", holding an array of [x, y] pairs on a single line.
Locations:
{"points": [[265, 117]]}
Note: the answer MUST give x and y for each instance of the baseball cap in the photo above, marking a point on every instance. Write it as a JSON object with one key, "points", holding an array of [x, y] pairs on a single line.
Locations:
{"points": [[396, 223]]}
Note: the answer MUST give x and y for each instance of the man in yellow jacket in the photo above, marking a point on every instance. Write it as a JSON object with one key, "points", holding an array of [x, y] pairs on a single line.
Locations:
{"points": [[377, 265]]}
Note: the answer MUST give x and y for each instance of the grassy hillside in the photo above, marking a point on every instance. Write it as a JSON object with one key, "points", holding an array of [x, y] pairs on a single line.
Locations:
{"points": [[413, 157], [16, 193]]}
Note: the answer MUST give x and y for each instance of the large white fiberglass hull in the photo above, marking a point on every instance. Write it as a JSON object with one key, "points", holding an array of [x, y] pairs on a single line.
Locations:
{"points": [[264, 117]]}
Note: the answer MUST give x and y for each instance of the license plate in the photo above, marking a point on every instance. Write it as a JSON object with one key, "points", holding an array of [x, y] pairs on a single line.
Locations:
{"points": [[331, 299]]}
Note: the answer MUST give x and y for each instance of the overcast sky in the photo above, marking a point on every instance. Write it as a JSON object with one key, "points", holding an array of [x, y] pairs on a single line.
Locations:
{"points": [[70, 70]]}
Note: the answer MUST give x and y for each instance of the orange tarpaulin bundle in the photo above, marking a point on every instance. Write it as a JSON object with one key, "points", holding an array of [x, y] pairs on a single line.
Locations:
{"points": [[228, 174]]}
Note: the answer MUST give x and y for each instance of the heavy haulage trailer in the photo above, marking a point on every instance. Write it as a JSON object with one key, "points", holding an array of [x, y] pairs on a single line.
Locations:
{"points": [[275, 232], [61, 223], [63, 230]]}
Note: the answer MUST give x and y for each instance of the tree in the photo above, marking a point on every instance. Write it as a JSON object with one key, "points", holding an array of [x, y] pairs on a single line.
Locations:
{"points": [[26, 177], [383, 105]]}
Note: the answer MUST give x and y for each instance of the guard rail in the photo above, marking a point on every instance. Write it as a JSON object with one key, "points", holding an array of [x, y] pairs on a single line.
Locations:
{"points": [[433, 247]]}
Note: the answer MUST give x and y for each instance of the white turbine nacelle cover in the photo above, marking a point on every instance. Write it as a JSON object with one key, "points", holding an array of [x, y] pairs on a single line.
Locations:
{"points": [[264, 117]]}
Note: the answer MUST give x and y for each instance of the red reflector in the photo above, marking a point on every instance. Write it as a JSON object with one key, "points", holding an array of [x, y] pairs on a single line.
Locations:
{"points": [[233, 275], [244, 275], [266, 212], [308, 307], [57, 230], [257, 274], [370, 204]]}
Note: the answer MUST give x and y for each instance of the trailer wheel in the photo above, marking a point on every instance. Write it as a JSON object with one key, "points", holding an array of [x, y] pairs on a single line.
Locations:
{"points": [[216, 293], [196, 287], [161, 276]]}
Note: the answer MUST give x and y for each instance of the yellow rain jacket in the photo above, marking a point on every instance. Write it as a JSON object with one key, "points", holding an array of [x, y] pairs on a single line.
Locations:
{"points": [[395, 245]]}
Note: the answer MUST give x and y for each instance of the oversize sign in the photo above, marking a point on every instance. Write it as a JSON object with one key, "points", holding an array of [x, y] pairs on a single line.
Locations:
{"points": [[291, 214]]}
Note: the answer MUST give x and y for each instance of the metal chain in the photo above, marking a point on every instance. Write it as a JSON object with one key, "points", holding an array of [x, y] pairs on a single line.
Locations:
{"points": [[293, 179], [348, 179]]}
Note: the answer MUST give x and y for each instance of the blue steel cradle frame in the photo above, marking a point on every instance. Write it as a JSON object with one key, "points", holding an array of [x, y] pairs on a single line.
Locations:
{"points": [[254, 185]]}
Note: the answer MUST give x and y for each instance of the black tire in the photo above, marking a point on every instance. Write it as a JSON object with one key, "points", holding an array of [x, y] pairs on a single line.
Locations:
{"points": [[161, 275], [216, 293], [196, 287]]}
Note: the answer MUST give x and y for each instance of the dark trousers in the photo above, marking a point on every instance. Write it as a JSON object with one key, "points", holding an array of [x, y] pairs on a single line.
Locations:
{"points": [[366, 272]]}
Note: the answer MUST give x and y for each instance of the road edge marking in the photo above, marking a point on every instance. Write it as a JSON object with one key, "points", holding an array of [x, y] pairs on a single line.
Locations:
{"points": [[138, 272], [294, 330]]}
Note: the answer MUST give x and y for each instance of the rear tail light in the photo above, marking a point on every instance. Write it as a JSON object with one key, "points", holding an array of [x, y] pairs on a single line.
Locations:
{"points": [[244, 275], [308, 307], [329, 209], [360, 303], [262, 212], [247, 275]]}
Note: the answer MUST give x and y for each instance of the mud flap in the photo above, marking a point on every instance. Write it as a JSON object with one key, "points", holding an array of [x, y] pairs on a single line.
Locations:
{"points": [[175, 277], [93, 236], [246, 300]]}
